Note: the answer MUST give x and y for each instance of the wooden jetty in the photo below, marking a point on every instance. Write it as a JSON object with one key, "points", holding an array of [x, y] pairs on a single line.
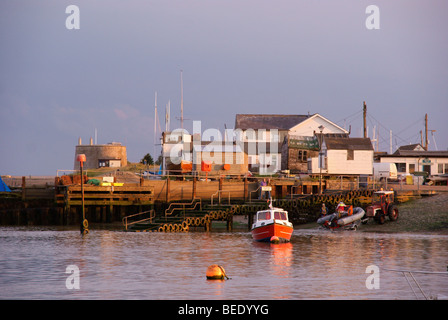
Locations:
{"points": [[173, 204], [69, 196]]}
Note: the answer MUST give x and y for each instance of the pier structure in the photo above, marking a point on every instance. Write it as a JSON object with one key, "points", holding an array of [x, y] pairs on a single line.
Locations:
{"points": [[178, 203], [104, 203]]}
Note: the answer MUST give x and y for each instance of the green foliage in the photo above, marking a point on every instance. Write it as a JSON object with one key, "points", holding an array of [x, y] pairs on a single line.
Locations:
{"points": [[147, 159]]}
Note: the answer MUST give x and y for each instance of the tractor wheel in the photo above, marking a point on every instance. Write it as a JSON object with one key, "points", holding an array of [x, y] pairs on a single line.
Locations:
{"points": [[393, 213], [381, 217]]}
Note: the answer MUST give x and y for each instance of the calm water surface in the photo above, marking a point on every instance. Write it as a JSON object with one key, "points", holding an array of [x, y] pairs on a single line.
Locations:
{"points": [[317, 264]]}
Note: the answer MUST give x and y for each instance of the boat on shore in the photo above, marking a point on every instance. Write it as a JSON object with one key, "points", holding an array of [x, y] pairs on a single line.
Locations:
{"points": [[345, 217], [272, 225]]}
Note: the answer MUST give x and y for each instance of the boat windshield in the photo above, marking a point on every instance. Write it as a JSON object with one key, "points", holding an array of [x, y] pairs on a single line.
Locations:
{"points": [[264, 215], [280, 215]]}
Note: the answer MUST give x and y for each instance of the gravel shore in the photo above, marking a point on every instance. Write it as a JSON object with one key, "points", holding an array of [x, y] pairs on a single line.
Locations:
{"points": [[425, 215], [428, 214]]}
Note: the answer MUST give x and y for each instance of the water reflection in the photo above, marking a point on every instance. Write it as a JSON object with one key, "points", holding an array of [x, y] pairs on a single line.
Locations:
{"points": [[316, 264]]}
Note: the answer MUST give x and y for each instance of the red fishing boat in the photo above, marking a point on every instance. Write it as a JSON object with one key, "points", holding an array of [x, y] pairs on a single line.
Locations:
{"points": [[272, 225]]}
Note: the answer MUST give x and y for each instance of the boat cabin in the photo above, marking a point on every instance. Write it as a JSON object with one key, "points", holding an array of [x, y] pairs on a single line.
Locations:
{"points": [[272, 214], [272, 225]]}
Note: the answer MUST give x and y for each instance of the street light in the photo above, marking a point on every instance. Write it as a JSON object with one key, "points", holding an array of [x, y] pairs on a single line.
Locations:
{"points": [[321, 129], [84, 223]]}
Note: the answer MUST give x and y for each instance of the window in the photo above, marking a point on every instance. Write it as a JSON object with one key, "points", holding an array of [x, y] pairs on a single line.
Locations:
{"points": [[279, 215], [443, 168], [350, 155], [411, 168], [401, 167], [264, 215], [103, 163], [302, 156]]}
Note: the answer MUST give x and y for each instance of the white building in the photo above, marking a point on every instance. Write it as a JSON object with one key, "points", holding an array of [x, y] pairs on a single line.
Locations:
{"points": [[343, 156], [263, 136], [411, 159]]}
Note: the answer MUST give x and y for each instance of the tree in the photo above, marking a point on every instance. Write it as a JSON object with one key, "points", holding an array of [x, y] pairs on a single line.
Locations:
{"points": [[159, 160], [147, 159]]}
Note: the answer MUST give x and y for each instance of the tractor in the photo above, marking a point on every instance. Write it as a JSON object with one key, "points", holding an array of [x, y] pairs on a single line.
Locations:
{"points": [[382, 206]]}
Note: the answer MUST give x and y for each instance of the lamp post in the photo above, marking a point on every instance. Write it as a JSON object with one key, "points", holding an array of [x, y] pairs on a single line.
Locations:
{"points": [[84, 223], [321, 129]]}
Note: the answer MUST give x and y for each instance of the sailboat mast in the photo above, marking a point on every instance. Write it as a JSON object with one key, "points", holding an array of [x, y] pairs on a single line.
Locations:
{"points": [[155, 123]]}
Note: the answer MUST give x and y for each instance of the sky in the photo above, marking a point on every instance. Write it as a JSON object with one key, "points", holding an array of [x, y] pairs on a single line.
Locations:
{"points": [[59, 83]]}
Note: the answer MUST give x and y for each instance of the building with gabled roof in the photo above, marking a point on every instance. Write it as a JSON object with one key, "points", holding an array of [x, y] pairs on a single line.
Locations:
{"points": [[414, 158], [264, 137], [343, 156]]}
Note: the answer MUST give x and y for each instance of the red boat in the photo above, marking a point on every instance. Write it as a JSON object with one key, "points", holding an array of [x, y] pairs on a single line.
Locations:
{"points": [[272, 225]]}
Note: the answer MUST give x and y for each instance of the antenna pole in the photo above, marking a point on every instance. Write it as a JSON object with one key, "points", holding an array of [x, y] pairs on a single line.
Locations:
{"points": [[155, 122], [155, 117], [390, 137], [167, 116], [181, 101], [426, 132], [365, 122]]}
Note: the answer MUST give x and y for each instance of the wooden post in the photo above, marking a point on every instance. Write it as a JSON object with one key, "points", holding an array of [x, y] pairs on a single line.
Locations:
{"points": [[167, 198], [229, 223], [220, 189], [245, 188], [250, 220], [194, 187], [23, 188]]}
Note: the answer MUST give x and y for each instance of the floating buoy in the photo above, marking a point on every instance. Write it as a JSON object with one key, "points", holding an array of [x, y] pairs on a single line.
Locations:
{"points": [[216, 272], [275, 239]]}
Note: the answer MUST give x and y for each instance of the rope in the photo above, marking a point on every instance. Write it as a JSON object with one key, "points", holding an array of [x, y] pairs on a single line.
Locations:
{"points": [[224, 273]]}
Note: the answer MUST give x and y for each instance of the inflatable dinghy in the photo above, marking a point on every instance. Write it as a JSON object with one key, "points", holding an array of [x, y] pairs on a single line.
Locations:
{"points": [[345, 216]]}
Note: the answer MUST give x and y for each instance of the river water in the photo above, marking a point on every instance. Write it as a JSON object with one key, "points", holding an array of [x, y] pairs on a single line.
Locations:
{"points": [[316, 264]]}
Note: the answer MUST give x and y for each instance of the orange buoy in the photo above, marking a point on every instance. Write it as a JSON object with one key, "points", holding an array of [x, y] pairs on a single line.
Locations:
{"points": [[215, 272], [275, 239]]}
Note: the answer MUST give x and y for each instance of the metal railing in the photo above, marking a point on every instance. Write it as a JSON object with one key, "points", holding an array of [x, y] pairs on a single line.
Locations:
{"points": [[180, 206], [219, 196], [151, 212], [410, 273], [250, 193]]}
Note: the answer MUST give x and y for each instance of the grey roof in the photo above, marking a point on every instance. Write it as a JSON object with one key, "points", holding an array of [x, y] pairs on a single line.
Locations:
{"points": [[268, 121], [348, 143], [420, 154], [409, 147]]}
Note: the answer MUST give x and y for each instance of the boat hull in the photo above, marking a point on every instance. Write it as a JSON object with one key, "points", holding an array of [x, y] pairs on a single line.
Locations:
{"points": [[266, 232], [334, 220], [357, 215]]}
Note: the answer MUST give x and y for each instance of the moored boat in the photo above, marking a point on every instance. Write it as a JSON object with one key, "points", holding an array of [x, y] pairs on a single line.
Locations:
{"points": [[345, 217], [272, 225]]}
